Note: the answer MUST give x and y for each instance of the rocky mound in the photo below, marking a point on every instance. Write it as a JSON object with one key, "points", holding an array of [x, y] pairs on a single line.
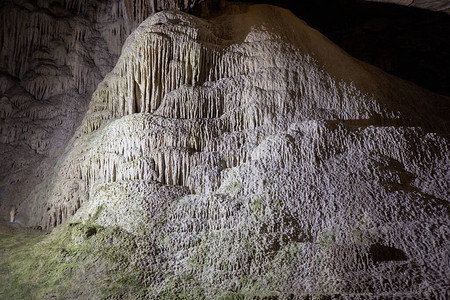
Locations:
{"points": [[249, 156]]}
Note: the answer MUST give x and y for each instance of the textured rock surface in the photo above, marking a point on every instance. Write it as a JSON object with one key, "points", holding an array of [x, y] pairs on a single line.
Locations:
{"points": [[241, 156], [405, 41], [248, 155], [53, 54]]}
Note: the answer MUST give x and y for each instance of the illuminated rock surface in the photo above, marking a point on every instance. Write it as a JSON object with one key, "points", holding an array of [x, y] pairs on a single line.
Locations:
{"points": [[53, 54], [248, 155]]}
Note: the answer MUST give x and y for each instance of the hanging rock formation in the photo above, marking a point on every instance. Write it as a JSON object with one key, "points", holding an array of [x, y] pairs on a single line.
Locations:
{"points": [[53, 54], [250, 156]]}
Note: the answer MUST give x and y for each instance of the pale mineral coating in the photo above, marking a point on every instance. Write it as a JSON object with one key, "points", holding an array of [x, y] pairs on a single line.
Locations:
{"points": [[53, 54], [249, 154]]}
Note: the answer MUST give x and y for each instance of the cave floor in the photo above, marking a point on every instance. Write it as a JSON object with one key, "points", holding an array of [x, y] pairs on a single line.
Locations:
{"points": [[16, 246]]}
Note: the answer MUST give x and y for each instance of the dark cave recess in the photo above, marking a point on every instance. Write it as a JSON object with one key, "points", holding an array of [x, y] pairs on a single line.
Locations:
{"points": [[408, 42]]}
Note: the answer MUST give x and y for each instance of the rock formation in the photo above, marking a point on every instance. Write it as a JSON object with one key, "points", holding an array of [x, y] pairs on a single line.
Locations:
{"points": [[248, 156], [53, 54], [406, 41]]}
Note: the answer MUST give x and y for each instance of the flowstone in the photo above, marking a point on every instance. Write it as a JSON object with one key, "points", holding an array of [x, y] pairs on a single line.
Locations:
{"points": [[251, 157], [53, 54]]}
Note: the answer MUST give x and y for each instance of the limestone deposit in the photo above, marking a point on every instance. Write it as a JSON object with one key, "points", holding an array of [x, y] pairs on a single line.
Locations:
{"points": [[53, 54], [246, 155]]}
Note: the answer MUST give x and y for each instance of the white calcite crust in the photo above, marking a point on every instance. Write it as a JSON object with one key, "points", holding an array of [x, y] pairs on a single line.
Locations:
{"points": [[53, 54], [248, 153]]}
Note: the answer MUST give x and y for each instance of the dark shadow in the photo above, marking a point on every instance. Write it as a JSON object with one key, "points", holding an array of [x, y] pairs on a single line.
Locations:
{"points": [[408, 42], [380, 253]]}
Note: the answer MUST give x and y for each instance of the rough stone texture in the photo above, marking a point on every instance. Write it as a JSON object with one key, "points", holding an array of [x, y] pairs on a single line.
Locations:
{"points": [[249, 155], [53, 54], [406, 41]]}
